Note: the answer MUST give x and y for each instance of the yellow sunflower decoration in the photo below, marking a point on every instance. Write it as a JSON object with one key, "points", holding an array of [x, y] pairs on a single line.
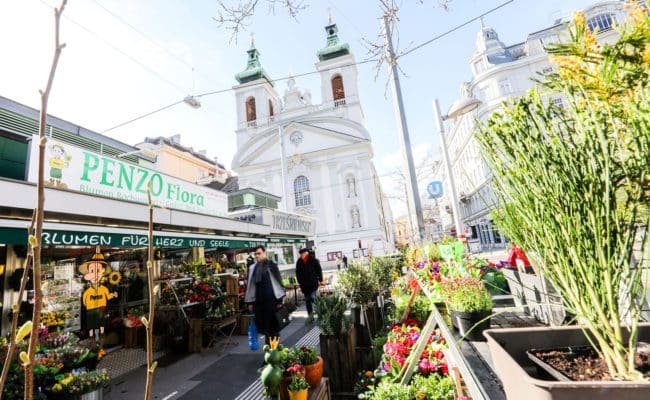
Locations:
{"points": [[114, 278]]}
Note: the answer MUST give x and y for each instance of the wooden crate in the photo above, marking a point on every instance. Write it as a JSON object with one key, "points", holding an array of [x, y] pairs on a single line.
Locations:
{"points": [[232, 284], [322, 392], [195, 344], [340, 364]]}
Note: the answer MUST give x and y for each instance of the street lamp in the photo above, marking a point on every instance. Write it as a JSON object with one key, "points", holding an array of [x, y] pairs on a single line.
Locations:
{"points": [[460, 107]]}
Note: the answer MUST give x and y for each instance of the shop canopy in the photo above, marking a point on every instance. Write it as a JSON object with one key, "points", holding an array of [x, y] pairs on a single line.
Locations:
{"points": [[56, 234]]}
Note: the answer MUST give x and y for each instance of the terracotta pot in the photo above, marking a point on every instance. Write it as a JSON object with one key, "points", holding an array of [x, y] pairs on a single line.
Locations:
{"points": [[314, 373], [301, 395], [522, 379]]}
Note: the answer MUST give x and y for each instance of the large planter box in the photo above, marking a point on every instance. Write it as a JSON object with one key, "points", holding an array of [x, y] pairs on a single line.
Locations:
{"points": [[339, 358], [543, 302], [516, 288], [522, 379]]}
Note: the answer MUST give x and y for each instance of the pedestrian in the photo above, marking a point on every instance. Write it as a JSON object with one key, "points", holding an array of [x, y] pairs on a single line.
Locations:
{"points": [[345, 261], [518, 256], [264, 294], [310, 276], [338, 262]]}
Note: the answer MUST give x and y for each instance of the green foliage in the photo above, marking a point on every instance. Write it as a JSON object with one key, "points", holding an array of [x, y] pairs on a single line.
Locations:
{"points": [[574, 181], [420, 309], [434, 387], [387, 390], [383, 270], [298, 384], [466, 294], [357, 285], [331, 314]]}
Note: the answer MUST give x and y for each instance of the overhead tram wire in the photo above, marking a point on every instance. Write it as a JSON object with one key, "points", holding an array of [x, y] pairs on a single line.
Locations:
{"points": [[372, 60], [219, 91], [454, 29], [114, 47]]}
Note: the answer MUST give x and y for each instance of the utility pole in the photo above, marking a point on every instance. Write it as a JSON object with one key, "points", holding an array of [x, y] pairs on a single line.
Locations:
{"points": [[413, 195]]}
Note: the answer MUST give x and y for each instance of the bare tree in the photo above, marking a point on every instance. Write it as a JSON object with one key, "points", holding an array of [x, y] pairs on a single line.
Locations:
{"points": [[39, 214], [148, 322]]}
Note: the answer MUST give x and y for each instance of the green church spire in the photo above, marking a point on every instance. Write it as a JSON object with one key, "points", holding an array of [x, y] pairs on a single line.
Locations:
{"points": [[334, 47], [254, 70]]}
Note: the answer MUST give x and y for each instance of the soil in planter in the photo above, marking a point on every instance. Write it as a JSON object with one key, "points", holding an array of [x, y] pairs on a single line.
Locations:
{"points": [[584, 364]]}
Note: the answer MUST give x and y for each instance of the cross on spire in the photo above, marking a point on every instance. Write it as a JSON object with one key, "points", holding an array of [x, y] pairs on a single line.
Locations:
{"points": [[329, 16], [252, 40]]}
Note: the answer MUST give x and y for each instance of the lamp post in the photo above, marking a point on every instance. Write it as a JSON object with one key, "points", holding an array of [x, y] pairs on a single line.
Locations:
{"points": [[460, 107]]}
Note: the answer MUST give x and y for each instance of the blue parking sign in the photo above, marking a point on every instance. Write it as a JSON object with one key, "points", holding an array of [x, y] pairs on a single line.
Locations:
{"points": [[435, 189]]}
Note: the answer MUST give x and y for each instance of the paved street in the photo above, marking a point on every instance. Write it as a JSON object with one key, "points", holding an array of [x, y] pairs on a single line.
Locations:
{"points": [[214, 374]]}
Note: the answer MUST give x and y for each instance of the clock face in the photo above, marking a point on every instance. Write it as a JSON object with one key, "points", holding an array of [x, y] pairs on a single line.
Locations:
{"points": [[296, 138]]}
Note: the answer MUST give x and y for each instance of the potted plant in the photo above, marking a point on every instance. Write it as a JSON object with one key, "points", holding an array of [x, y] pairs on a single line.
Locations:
{"points": [[337, 343], [358, 286], [312, 363], [470, 304], [572, 184], [298, 388]]}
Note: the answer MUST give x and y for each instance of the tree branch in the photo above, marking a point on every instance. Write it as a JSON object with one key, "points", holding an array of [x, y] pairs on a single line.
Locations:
{"points": [[151, 365], [40, 209]]}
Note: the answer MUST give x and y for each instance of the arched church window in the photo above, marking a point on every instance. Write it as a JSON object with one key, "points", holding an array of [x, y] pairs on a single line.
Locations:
{"points": [[351, 186], [271, 113], [251, 112], [338, 91], [356, 217], [301, 191]]}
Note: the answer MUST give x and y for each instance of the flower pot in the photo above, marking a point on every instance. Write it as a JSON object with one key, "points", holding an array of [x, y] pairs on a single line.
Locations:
{"points": [[301, 395], [522, 378], [314, 373], [471, 324]]}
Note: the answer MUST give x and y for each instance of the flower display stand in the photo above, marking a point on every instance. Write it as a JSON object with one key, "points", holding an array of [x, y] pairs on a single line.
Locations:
{"points": [[322, 391], [339, 357], [94, 395]]}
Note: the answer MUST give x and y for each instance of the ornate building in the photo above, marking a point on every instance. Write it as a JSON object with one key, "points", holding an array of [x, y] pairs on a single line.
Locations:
{"points": [[500, 72], [317, 157]]}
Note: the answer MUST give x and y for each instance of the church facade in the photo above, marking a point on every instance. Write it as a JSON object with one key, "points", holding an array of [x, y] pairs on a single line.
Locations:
{"points": [[317, 157]]}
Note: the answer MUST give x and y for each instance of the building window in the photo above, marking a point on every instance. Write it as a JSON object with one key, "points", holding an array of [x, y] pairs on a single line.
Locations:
{"points": [[301, 191], [479, 66], [504, 86], [547, 70], [602, 22], [338, 91], [251, 113], [271, 113], [558, 102]]}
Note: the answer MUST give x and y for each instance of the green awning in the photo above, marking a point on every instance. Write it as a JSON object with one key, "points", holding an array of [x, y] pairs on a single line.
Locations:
{"points": [[126, 238]]}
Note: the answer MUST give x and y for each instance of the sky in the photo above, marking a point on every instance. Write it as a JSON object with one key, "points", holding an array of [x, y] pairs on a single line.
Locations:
{"points": [[125, 58]]}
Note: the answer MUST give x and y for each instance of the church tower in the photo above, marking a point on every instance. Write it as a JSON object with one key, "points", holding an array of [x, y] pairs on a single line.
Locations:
{"points": [[257, 100], [339, 85], [489, 50]]}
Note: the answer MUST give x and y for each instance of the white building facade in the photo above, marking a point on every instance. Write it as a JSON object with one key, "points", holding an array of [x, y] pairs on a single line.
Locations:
{"points": [[499, 73], [317, 157]]}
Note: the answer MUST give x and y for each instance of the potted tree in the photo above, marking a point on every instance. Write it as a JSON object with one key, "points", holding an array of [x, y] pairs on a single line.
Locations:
{"points": [[470, 304], [573, 186]]}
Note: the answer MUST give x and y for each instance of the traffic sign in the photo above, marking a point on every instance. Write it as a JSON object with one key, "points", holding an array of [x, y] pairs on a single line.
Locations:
{"points": [[435, 189]]}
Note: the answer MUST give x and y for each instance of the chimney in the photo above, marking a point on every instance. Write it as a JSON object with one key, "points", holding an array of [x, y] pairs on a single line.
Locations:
{"points": [[175, 139]]}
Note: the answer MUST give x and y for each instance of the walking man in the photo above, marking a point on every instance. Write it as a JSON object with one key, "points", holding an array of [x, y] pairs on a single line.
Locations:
{"points": [[264, 294], [310, 276]]}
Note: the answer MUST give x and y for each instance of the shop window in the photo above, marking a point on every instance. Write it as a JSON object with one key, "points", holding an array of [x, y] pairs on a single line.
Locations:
{"points": [[602, 23], [338, 91], [13, 157], [301, 191], [251, 112]]}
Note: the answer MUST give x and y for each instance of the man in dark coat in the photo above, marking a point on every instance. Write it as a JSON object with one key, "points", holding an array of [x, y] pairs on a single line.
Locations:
{"points": [[310, 276], [265, 293]]}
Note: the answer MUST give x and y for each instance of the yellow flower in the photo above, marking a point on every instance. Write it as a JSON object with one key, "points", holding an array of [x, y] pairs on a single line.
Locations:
{"points": [[646, 55], [579, 19]]}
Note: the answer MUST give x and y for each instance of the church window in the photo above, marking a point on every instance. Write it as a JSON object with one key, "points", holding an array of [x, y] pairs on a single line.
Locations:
{"points": [[602, 22], [301, 191], [271, 113], [251, 112], [338, 92]]}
